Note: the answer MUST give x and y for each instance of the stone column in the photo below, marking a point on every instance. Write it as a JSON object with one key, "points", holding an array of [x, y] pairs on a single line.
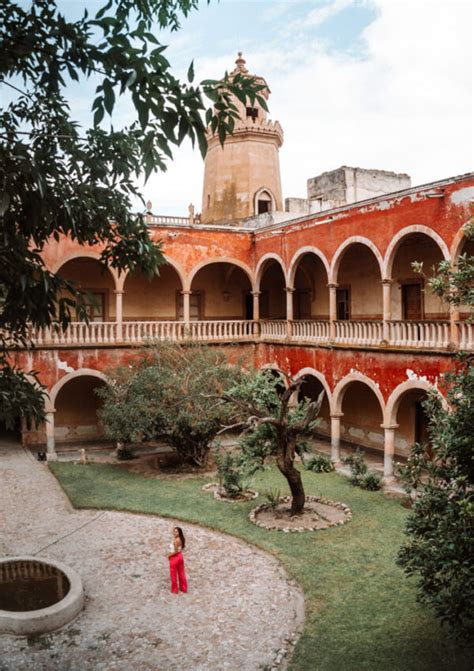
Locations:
{"points": [[50, 442], [119, 313], [453, 327], [336, 436], [289, 310], [332, 310], [387, 307], [389, 451], [186, 306], [256, 305]]}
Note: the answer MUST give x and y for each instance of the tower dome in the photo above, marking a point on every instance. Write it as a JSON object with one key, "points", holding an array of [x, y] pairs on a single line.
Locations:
{"points": [[242, 178]]}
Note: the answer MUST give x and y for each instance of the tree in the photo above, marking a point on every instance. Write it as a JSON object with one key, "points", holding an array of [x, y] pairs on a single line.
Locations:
{"points": [[439, 549], [57, 179], [165, 395], [261, 404]]}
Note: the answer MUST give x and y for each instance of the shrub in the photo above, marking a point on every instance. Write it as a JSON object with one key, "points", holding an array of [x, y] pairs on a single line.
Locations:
{"points": [[231, 474], [272, 497], [319, 463], [360, 475]]}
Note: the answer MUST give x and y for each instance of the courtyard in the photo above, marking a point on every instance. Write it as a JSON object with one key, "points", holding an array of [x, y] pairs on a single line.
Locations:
{"points": [[245, 607]]}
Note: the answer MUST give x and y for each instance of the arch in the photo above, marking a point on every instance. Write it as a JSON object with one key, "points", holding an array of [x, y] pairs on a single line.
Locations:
{"points": [[355, 239], [261, 267], [297, 258], [169, 261], [398, 238], [260, 192], [82, 372], [319, 376], [340, 389], [457, 244], [219, 259], [395, 398], [87, 254]]}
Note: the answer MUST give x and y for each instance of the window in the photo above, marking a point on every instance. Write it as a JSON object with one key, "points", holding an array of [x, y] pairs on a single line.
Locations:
{"points": [[264, 203], [343, 303], [94, 302], [252, 112], [195, 306]]}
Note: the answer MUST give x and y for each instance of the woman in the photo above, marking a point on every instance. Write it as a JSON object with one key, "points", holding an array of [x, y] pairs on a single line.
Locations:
{"points": [[177, 562]]}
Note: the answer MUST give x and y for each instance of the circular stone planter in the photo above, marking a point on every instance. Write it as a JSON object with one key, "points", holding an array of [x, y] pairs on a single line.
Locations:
{"points": [[320, 513], [220, 495], [37, 596]]}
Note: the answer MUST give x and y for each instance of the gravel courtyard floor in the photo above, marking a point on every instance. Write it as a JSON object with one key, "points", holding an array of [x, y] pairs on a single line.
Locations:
{"points": [[240, 612]]}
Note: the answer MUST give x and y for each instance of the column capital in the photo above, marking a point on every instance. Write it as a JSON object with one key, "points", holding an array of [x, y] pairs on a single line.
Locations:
{"points": [[186, 293], [119, 292], [336, 415], [389, 427], [255, 293], [289, 290], [332, 285], [386, 282], [50, 412]]}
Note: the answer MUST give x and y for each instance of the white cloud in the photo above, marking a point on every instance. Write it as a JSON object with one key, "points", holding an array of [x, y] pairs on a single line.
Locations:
{"points": [[402, 103]]}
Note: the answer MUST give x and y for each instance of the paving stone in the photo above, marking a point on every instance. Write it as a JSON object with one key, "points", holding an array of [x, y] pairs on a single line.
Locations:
{"points": [[240, 609]]}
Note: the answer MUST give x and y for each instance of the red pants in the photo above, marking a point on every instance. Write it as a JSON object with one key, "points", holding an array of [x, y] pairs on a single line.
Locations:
{"points": [[177, 573]]}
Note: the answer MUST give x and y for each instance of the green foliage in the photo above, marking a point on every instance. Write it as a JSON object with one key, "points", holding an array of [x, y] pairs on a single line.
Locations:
{"points": [[169, 393], [439, 548], [272, 425], [319, 463], [360, 475], [355, 461], [231, 473], [59, 179], [272, 498]]}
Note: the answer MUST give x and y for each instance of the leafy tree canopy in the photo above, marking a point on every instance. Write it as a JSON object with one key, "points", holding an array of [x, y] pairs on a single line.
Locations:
{"points": [[57, 178]]}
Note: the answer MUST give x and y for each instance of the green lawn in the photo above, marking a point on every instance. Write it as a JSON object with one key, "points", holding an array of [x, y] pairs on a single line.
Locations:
{"points": [[361, 611]]}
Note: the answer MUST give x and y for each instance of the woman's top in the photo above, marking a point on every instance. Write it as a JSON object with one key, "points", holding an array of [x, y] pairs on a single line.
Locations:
{"points": [[172, 548]]}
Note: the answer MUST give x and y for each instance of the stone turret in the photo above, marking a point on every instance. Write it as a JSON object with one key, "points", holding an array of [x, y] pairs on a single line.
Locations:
{"points": [[242, 179]]}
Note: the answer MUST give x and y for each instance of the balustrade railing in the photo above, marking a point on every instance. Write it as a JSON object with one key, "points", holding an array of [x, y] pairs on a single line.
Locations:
{"points": [[310, 331], [466, 335], [367, 332], [273, 330], [419, 334], [410, 334]]}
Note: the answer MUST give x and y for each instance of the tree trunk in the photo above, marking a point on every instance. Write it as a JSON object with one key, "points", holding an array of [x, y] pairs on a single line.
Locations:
{"points": [[295, 483]]}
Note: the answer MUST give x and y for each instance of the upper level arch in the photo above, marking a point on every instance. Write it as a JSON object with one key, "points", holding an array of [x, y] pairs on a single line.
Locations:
{"points": [[169, 261], [219, 259], [460, 243], [342, 249], [397, 239], [297, 257], [261, 266]]}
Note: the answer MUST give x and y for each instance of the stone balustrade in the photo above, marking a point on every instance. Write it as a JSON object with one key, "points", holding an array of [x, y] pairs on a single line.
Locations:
{"points": [[406, 334]]}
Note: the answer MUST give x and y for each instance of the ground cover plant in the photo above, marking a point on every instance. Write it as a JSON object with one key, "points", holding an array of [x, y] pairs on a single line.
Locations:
{"points": [[361, 612]]}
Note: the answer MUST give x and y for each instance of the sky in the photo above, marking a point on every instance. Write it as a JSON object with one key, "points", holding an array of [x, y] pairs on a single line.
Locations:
{"points": [[383, 84]]}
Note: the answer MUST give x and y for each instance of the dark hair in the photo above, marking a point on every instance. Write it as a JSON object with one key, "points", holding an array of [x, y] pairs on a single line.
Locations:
{"points": [[181, 537]]}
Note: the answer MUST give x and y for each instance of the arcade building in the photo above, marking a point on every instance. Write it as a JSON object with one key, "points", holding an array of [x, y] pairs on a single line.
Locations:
{"points": [[321, 287]]}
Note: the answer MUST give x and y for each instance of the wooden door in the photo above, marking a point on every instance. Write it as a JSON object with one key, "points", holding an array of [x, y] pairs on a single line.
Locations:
{"points": [[412, 307]]}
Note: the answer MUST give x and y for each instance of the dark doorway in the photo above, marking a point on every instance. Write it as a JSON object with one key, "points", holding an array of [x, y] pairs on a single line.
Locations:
{"points": [[422, 435], [248, 305], [343, 304], [412, 307]]}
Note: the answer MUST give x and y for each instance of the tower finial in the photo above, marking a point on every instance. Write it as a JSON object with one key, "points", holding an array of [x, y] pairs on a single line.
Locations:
{"points": [[240, 63]]}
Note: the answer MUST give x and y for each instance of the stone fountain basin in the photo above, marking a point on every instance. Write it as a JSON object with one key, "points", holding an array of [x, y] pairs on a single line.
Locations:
{"points": [[45, 619]]}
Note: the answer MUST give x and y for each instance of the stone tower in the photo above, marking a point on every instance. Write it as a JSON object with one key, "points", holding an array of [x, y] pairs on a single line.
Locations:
{"points": [[242, 179]]}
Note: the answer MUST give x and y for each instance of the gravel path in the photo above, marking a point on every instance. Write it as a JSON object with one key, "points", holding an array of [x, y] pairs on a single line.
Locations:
{"points": [[240, 611]]}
